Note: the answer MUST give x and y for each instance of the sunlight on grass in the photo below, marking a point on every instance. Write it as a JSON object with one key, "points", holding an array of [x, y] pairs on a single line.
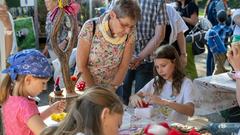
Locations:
{"points": [[201, 12]]}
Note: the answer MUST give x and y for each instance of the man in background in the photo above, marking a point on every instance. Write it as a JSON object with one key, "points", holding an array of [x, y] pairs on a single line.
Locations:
{"points": [[150, 34]]}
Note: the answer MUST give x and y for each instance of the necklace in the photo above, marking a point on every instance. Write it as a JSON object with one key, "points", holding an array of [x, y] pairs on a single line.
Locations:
{"points": [[104, 28]]}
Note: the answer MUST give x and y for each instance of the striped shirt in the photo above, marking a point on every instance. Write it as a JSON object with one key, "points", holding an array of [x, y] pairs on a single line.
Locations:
{"points": [[153, 13]]}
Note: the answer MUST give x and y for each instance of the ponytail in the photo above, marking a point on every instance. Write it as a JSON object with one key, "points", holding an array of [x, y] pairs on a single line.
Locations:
{"points": [[5, 88]]}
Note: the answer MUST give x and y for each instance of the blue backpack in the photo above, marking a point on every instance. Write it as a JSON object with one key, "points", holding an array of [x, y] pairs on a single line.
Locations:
{"points": [[214, 42], [212, 9]]}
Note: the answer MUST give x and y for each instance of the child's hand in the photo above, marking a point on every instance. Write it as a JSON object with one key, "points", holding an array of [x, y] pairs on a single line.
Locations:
{"points": [[58, 106], [157, 100], [136, 101]]}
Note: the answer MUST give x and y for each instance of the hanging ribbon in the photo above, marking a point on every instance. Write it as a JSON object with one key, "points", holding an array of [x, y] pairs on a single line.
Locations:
{"points": [[71, 9], [60, 4]]}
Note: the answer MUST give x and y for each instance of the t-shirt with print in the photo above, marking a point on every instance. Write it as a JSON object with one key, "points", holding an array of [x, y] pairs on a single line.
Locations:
{"points": [[17, 111], [104, 57], [184, 97]]}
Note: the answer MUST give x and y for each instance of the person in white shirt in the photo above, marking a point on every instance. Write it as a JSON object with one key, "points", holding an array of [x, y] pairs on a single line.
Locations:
{"points": [[175, 33], [169, 88], [8, 44]]}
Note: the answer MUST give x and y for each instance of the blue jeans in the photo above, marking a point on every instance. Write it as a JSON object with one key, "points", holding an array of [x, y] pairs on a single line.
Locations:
{"points": [[142, 75], [210, 62]]}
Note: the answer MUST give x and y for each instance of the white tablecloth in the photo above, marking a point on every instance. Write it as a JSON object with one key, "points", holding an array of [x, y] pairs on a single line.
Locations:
{"points": [[214, 94], [132, 124]]}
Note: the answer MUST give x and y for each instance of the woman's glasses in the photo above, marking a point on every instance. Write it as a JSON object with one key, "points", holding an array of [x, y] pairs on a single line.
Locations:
{"points": [[125, 26]]}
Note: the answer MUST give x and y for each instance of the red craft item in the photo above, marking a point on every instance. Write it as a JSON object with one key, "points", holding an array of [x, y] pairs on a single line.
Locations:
{"points": [[146, 130], [193, 132], [144, 104], [81, 85], [57, 81], [174, 132], [74, 78], [155, 130], [165, 124]]}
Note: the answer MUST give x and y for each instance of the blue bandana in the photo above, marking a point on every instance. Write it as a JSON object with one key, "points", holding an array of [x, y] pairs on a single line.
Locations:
{"points": [[28, 62]]}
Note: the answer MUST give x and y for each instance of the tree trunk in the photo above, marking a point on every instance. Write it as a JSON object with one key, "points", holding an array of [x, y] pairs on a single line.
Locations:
{"points": [[64, 55]]}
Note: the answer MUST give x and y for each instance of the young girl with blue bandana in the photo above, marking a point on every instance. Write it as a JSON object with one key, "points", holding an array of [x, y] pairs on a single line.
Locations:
{"points": [[26, 77]]}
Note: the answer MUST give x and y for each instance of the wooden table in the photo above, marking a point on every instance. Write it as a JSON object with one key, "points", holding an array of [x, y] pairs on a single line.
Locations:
{"points": [[214, 93]]}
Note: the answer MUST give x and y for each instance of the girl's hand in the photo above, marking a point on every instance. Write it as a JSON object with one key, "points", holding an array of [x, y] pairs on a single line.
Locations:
{"points": [[157, 100], [58, 106], [136, 101]]}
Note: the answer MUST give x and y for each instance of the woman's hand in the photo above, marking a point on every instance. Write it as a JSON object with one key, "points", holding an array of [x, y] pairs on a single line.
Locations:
{"points": [[135, 62], [58, 106]]}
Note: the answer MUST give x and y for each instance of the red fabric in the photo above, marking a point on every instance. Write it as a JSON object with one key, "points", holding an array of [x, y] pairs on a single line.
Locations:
{"points": [[174, 132], [165, 124], [146, 130], [71, 9], [193, 132]]}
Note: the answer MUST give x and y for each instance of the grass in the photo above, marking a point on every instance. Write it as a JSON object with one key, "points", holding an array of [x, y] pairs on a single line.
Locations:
{"points": [[201, 12]]}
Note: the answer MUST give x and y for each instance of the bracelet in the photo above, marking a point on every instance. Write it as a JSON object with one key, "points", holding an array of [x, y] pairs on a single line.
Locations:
{"points": [[114, 86], [184, 54]]}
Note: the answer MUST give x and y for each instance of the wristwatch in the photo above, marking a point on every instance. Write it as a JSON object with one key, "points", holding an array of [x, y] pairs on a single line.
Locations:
{"points": [[236, 75]]}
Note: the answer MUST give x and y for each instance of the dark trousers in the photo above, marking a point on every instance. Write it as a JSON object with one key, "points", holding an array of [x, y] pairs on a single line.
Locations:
{"points": [[142, 75], [119, 91], [210, 62]]}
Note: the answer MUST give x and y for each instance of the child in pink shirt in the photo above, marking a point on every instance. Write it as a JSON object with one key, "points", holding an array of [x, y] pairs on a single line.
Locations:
{"points": [[26, 77]]}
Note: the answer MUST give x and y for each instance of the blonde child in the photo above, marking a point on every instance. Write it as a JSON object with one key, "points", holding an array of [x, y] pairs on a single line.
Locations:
{"points": [[170, 88], [97, 112], [26, 77]]}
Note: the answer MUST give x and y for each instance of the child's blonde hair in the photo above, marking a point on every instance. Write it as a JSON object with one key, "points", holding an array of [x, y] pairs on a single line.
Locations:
{"points": [[85, 113]]}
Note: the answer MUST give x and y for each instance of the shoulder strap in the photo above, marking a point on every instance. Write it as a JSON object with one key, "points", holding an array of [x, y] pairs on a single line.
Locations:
{"points": [[94, 27]]}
